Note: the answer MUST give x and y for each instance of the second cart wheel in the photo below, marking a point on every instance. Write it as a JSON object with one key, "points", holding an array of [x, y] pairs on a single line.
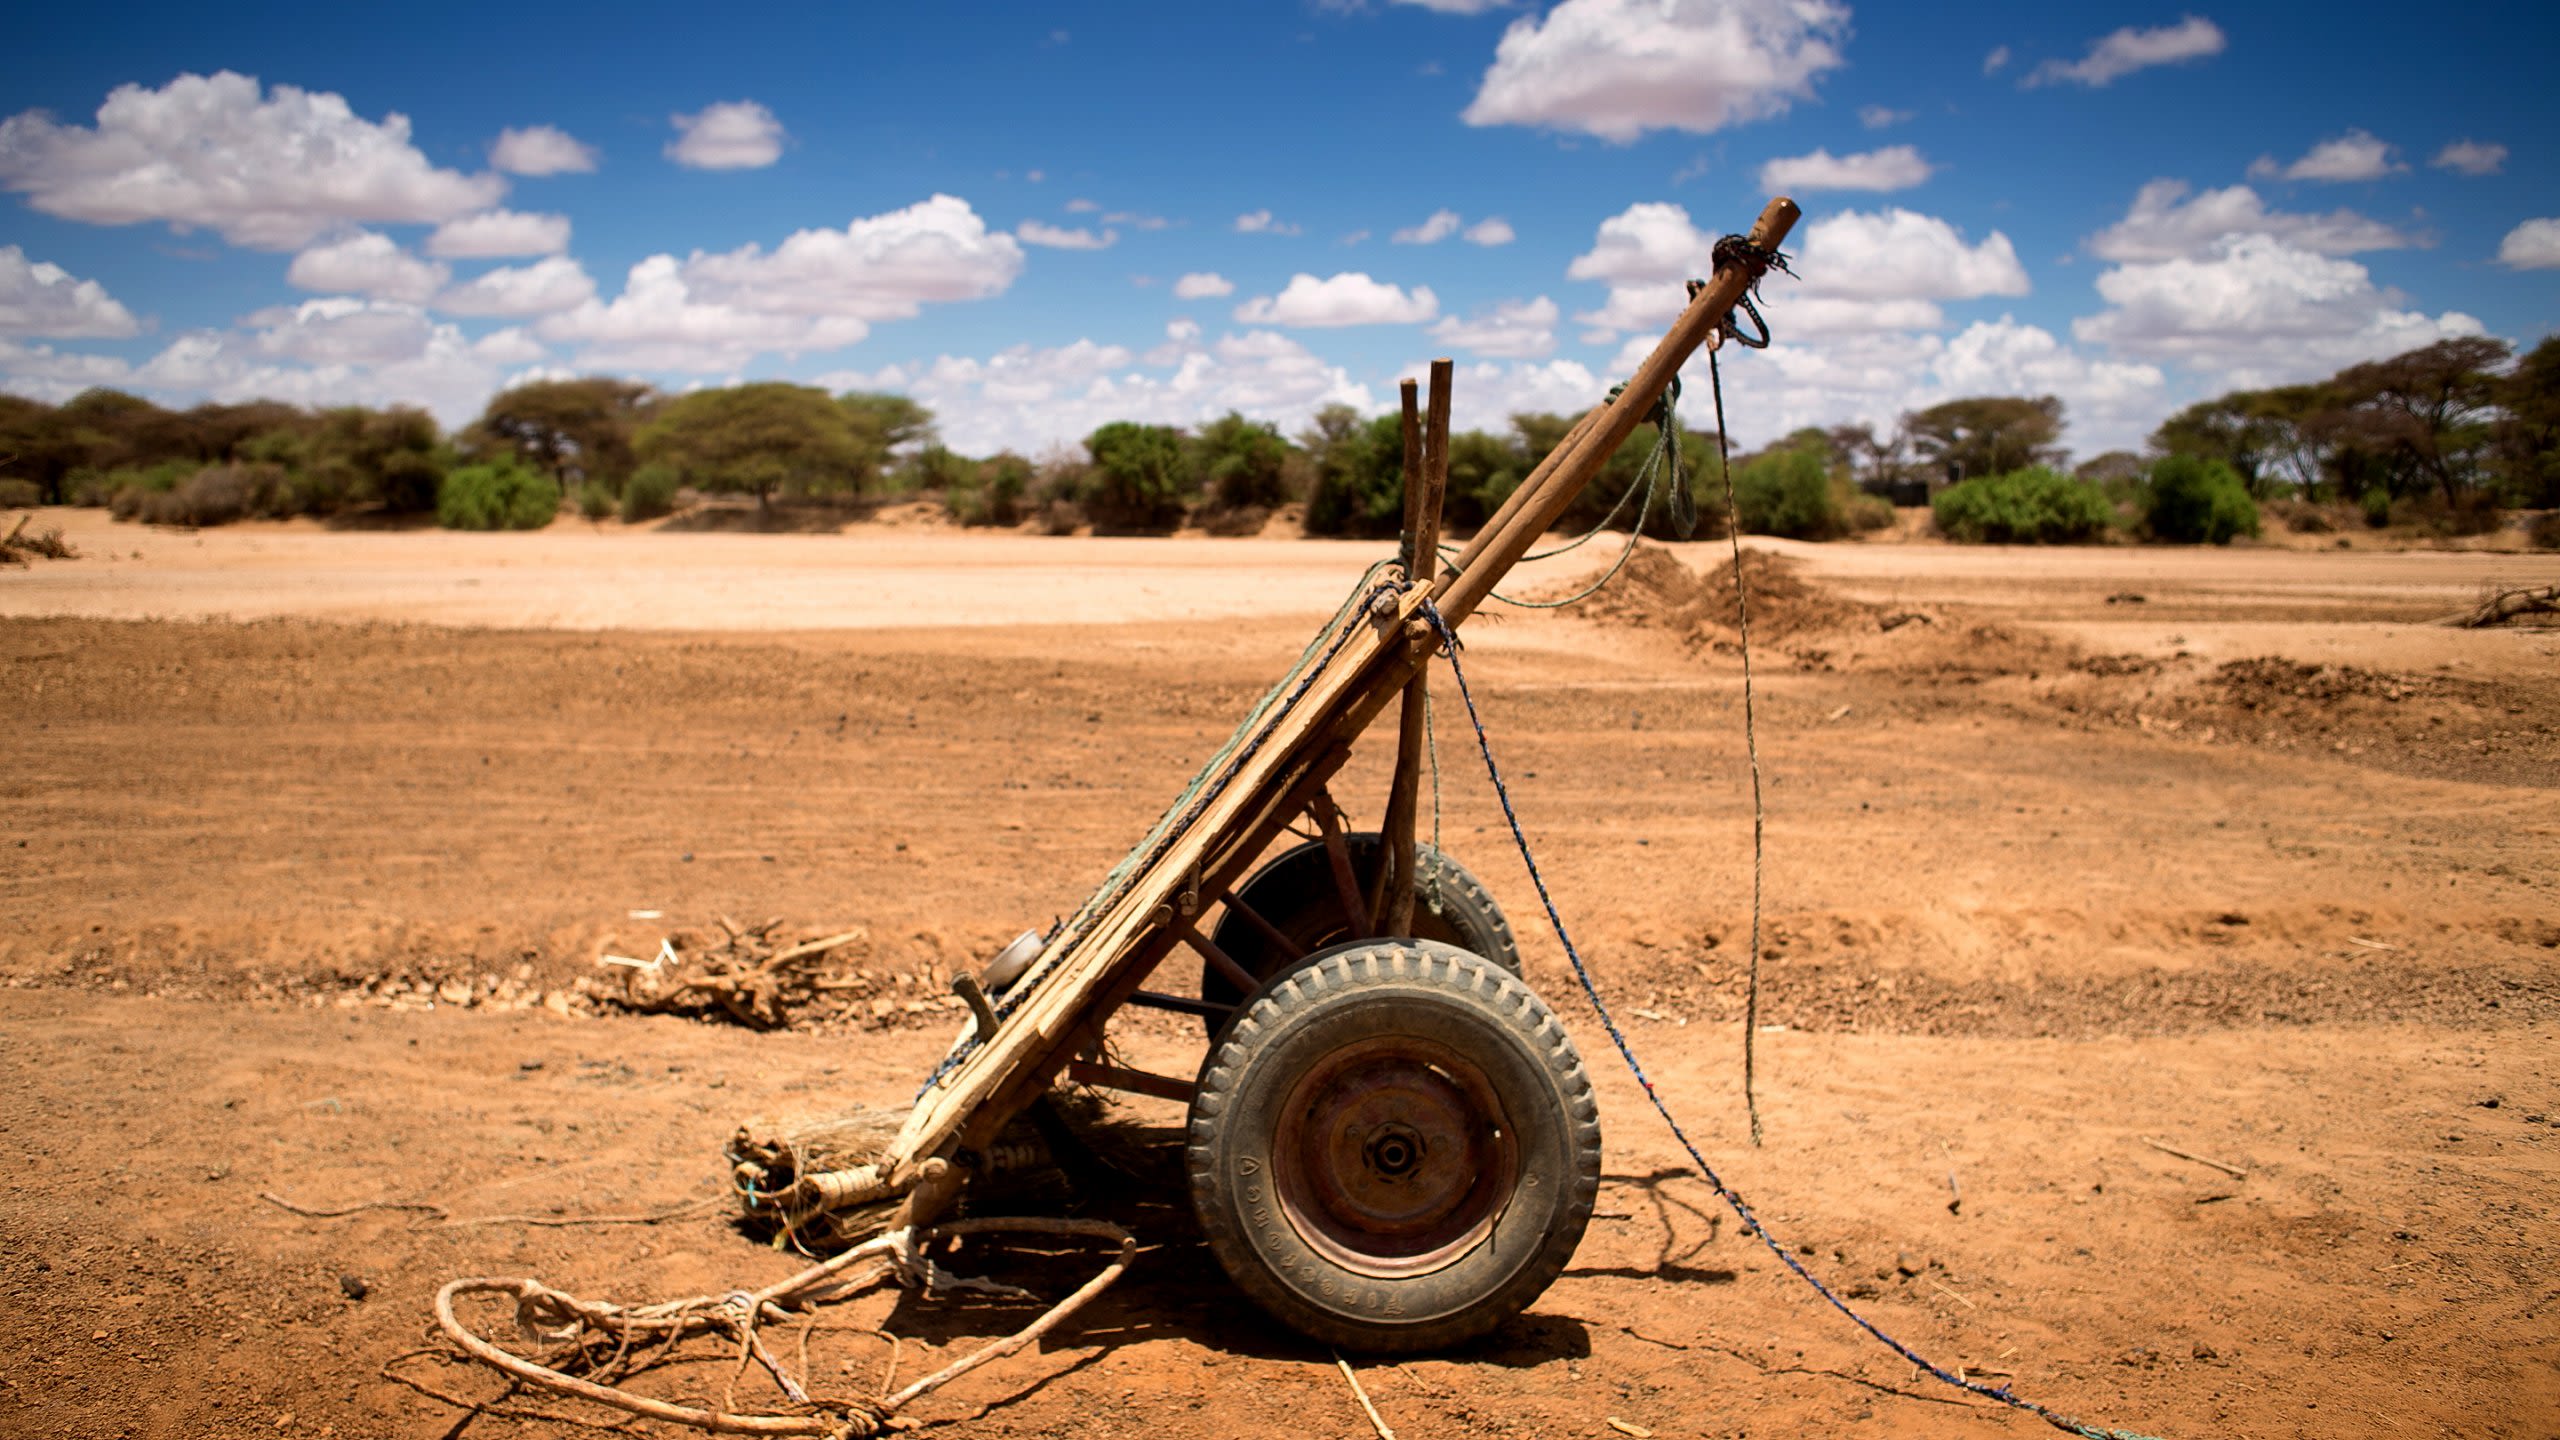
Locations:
{"points": [[1298, 894], [1394, 1147]]}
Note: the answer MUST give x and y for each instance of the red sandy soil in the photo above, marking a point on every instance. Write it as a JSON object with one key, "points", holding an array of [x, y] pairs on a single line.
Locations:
{"points": [[2259, 866]]}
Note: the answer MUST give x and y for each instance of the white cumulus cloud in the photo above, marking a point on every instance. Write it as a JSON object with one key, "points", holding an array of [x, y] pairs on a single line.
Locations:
{"points": [[366, 264], [41, 372], [545, 287], [1203, 285], [1062, 237], [499, 235], [1487, 394], [269, 170], [1877, 377], [1038, 400], [1441, 225], [2164, 223], [2127, 50], [41, 298], [732, 135], [1509, 330], [1349, 298], [2533, 245], [1618, 68], [2258, 311], [541, 150], [2471, 157], [817, 290], [1490, 231], [1862, 271], [2355, 155], [1259, 222], [1895, 167], [334, 351], [1879, 117]]}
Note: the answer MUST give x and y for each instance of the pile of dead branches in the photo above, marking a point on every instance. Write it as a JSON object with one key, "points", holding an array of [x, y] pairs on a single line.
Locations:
{"points": [[743, 973], [2497, 609], [18, 545]]}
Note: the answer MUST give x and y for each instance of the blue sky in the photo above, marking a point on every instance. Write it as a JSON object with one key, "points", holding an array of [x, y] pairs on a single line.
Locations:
{"points": [[1038, 218]]}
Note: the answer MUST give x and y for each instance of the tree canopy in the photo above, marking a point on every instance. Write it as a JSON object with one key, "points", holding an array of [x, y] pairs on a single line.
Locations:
{"points": [[766, 438], [1987, 434]]}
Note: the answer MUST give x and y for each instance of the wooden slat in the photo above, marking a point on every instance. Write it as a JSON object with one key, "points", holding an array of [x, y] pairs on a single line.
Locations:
{"points": [[1346, 881], [1136, 1082]]}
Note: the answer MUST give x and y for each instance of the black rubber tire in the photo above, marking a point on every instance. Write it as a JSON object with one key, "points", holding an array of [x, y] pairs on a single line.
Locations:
{"points": [[1352, 1052], [1296, 891]]}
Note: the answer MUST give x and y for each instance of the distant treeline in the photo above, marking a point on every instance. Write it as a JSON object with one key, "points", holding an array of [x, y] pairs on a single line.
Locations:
{"points": [[2448, 436]]}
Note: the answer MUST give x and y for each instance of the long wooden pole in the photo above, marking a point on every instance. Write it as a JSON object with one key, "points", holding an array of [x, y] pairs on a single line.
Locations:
{"points": [[1556, 483]]}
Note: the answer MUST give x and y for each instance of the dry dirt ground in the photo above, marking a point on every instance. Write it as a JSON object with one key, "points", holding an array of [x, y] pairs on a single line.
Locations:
{"points": [[301, 877]]}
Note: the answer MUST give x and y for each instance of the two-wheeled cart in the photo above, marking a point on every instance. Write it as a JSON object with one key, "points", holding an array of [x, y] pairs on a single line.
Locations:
{"points": [[1392, 1144]]}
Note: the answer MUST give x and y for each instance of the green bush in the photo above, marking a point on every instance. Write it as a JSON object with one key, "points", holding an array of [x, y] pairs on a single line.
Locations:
{"points": [[501, 494], [596, 500], [122, 490], [1359, 484], [1242, 464], [649, 493], [1862, 512], [2376, 505], [991, 493], [411, 482], [934, 468], [218, 495], [2035, 506], [21, 494], [2194, 500], [1138, 480], [1788, 493]]}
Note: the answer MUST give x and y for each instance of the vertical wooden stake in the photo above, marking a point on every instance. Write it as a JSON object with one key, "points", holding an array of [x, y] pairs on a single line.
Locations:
{"points": [[1410, 391], [1422, 542]]}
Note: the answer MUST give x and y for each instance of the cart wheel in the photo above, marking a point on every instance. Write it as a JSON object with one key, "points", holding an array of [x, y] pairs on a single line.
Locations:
{"points": [[1394, 1146], [1297, 893]]}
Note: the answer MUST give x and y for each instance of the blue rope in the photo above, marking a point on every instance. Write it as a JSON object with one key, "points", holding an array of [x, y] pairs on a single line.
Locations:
{"points": [[1750, 1222]]}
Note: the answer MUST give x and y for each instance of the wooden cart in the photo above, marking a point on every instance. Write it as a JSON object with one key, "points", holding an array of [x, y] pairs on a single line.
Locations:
{"points": [[1392, 1145]]}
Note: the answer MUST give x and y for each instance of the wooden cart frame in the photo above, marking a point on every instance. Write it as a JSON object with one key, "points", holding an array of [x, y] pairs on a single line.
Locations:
{"points": [[1050, 1023]]}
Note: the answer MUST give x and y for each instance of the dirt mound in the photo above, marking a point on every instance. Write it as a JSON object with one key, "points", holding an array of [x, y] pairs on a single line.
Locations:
{"points": [[2450, 726], [1655, 591], [2268, 682]]}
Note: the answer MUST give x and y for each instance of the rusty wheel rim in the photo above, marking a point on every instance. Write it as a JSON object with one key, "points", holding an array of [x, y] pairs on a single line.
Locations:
{"points": [[1394, 1156]]}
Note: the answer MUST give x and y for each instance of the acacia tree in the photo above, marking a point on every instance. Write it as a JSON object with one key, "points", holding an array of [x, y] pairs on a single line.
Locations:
{"points": [[1875, 461], [574, 430], [2427, 412], [882, 426], [759, 439], [2529, 436], [1987, 434]]}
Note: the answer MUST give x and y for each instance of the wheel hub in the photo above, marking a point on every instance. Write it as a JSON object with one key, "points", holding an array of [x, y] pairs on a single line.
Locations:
{"points": [[1393, 1156]]}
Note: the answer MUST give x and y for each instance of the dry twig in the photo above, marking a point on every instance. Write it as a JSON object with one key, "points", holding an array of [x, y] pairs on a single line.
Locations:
{"points": [[2234, 1171], [1362, 1396], [574, 1323], [445, 1217]]}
